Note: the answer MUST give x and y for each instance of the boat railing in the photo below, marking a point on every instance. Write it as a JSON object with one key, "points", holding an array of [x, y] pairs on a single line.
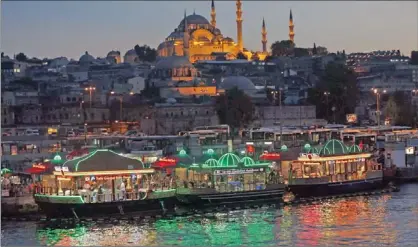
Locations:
{"points": [[96, 197]]}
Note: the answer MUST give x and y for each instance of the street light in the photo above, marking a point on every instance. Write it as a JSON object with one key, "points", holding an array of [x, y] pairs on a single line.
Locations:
{"points": [[120, 97], [90, 90], [280, 109], [378, 92], [326, 93]]}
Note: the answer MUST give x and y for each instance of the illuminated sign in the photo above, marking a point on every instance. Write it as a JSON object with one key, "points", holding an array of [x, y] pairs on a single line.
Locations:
{"points": [[351, 118], [57, 157], [270, 156], [409, 150], [59, 168], [240, 171], [167, 160], [39, 166]]}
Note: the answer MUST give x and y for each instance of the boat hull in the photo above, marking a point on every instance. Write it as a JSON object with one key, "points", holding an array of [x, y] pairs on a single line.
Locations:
{"points": [[327, 189], [76, 207], [200, 198]]}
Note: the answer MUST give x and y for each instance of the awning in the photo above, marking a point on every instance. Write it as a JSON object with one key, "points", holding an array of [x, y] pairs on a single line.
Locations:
{"points": [[270, 156], [166, 162], [39, 168]]}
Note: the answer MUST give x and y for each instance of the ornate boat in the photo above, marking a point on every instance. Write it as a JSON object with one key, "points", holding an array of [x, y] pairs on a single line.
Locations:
{"points": [[334, 169], [229, 181], [104, 183]]}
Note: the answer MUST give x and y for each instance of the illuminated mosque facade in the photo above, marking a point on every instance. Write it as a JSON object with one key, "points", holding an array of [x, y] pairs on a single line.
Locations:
{"points": [[198, 39]]}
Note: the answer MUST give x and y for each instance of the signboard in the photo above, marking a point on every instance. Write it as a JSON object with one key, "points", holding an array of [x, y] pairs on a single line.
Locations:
{"points": [[39, 166], [409, 150], [240, 171], [59, 168], [351, 118]]}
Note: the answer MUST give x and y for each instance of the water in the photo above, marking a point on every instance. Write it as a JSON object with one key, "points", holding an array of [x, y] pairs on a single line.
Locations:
{"points": [[383, 220]]}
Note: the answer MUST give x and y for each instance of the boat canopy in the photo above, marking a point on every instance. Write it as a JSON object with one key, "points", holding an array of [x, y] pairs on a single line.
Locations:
{"points": [[103, 160]]}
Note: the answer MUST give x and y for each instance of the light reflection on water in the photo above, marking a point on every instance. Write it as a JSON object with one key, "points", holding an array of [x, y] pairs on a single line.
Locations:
{"points": [[385, 220]]}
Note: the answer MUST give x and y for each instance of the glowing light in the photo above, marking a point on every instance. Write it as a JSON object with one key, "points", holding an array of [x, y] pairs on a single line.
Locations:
{"points": [[248, 161], [182, 152], [283, 148], [334, 147], [307, 146], [57, 157], [211, 163], [210, 151], [229, 160]]}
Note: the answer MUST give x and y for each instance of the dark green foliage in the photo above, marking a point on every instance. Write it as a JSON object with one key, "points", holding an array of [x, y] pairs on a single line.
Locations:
{"points": [[234, 108], [146, 53], [282, 48], [341, 84]]}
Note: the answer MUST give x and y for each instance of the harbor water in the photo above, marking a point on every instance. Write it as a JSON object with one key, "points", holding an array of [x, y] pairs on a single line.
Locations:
{"points": [[376, 220]]}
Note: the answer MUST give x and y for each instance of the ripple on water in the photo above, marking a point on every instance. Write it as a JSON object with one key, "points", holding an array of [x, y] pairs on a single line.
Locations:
{"points": [[383, 220]]}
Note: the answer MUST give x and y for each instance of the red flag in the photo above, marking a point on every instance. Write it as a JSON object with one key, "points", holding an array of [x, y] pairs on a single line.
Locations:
{"points": [[361, 145]]}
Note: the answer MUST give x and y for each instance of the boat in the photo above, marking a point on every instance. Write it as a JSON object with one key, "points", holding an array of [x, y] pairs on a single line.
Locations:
{"points": [[334, 169], [104, 183], [229, 181]]}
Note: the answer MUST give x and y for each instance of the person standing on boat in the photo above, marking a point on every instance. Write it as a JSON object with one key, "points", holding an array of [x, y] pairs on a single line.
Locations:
{"points": [[123, 190]]}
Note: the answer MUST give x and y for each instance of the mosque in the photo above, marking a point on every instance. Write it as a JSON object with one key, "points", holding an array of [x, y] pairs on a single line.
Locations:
{"points": [[198, 39]]}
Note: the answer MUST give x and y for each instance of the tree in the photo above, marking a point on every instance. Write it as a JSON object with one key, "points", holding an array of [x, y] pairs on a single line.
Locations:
{"points": [[341, 84], [114, 110], [21, 57], [414, 58], [234, 108], [146, 53], [241, 55], [391, 110], [282, 48], [150, 91], [301, 52]]}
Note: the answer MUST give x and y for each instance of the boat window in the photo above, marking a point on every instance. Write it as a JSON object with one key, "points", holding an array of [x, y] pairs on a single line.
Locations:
{"points": [[269, 136], [348, 167], [258, 135], [342, 167], [354, 166]]}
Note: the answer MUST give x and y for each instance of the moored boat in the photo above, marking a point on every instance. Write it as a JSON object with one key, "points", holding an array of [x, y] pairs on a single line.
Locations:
{"points": [[104, 183], [335, 169], [229, 181]]}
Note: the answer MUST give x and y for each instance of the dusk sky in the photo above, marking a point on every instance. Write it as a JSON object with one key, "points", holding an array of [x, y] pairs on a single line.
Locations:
{"points": [[64, 28]]}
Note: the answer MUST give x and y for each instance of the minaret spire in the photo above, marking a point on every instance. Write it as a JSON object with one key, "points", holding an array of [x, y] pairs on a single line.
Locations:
{"points": [[186, 37], [213, 14], [291, 26], [264, 36], [239, 26]]}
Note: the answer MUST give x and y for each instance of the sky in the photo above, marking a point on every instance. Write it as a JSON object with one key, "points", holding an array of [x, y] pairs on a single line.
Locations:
{"points": [[66, 28]]}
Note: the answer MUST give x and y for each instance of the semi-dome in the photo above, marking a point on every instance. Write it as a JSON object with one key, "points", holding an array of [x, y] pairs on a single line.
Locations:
{"points": [[354, 149], [241, 82], [113, 54], [203, 39], [333, 147], [194, 19], [86, 58], [211, 163], [131, 52], [173, 62], [228, 160], [248, 161], [228, 39]]}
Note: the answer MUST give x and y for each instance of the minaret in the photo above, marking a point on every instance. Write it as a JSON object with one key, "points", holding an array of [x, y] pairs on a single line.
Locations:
{"points": [[186, 37], [264, 37], [213, 14], [291, 26], [239, 26]]}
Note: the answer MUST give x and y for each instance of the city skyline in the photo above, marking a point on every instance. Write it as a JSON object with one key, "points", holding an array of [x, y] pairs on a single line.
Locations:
{"points": [[51, 29]]}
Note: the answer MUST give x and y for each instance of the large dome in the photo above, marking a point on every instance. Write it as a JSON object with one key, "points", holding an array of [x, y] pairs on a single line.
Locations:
{"points": [[131, 52], [173, 62], [194, 19], [86, 58], [241, 82], [113, 54]]}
